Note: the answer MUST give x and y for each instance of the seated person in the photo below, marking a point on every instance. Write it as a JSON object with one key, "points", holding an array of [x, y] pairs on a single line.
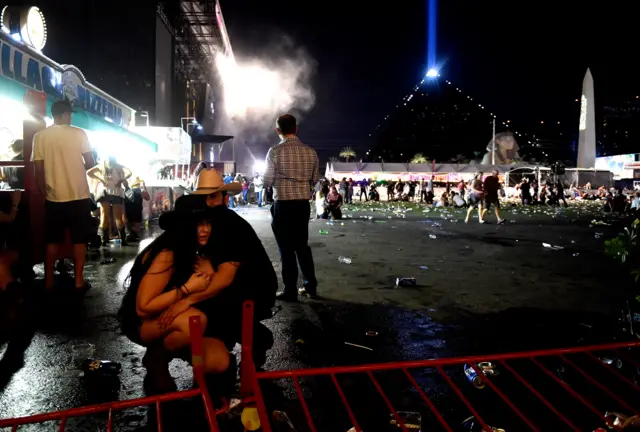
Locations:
{"points": [[334, 202], [457, 200], [243, 269], [157, 305]]}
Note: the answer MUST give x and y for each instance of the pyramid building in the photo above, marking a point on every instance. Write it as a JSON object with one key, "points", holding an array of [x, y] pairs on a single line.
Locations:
{"points": [[438, 120]]}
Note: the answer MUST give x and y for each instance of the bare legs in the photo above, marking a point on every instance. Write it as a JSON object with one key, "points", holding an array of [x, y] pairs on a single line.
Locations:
{"points": [[481, 213], [176, 337]]}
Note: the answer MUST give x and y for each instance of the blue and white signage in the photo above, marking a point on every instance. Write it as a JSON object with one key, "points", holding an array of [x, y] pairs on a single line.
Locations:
{"points": [[60, 82]]}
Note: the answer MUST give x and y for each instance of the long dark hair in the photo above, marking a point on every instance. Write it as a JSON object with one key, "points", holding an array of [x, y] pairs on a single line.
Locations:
{"points": [[182, 240]]}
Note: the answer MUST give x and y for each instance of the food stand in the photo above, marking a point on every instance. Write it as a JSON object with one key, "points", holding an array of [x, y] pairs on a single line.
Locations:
{"points": [[30, 83]]}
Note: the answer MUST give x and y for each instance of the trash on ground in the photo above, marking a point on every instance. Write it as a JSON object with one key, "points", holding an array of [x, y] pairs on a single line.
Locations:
{"points": [[300, 341], [412, 420], [424, 268], [95, 367], [344, 260], [547, 245], [405, 282], [372, 333], [280, 418], [487, 368], [358, 346], [612, 361], [107, 261], [432, 236], [323, 232]]}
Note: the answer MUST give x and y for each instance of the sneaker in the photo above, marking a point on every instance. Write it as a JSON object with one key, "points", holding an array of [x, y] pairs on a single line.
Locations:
{"points": [[501, 222], [482, 222], [305, 293]]}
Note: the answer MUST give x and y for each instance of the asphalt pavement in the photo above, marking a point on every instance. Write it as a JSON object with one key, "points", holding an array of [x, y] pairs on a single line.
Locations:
{"points": [[479, 289]]}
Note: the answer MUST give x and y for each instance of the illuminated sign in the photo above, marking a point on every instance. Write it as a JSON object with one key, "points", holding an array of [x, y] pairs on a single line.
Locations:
{"points": [[61, 82], [33, 28], [26, 25], [621, 166]]}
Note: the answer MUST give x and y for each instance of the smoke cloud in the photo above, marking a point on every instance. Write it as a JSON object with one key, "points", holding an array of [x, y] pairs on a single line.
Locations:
{"points": [[258, 89]]}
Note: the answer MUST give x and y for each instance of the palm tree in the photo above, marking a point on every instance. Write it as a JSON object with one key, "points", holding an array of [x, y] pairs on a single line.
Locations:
{"points": [[347, 152], [419, 158]]}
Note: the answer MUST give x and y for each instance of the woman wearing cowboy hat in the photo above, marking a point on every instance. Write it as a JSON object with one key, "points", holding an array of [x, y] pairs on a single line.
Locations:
{"points": [[156, 307]]}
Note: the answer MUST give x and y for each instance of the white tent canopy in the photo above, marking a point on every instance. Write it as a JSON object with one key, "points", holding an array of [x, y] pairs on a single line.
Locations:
{"points": [[407, 171]]}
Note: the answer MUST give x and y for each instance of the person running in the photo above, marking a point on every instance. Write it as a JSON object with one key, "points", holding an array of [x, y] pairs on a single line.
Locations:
{"points": [[491, 189], [476, 196]]}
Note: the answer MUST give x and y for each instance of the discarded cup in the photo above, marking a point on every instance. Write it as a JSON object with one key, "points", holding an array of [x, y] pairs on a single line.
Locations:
{"points": [[80, 352], [344, 260], [405, 282], [323, 232], [473, 377]]}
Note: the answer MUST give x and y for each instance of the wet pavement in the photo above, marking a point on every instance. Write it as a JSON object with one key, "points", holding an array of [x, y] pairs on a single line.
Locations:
{"points": [[480, 289]]}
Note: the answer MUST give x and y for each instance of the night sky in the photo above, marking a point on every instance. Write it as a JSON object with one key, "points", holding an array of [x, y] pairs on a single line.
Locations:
{"points": [[523, 60]]}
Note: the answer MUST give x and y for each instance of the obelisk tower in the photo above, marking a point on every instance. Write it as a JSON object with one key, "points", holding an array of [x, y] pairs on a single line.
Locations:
{"points": [[587, 139]]}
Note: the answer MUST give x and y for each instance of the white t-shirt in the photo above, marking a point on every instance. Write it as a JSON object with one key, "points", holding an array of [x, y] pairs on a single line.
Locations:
{"points": [[114, 180], [62, 147]]}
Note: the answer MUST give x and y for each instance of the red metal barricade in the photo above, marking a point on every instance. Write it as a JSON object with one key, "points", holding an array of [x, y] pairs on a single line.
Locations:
{"points": [[601, 387], [110, 408]]}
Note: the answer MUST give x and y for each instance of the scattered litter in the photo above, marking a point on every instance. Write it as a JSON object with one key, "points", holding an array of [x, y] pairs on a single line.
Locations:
{"points": [[323, 232], [586, 325], [405, 282], [358, 346], [107, 261], [576, 254], [612, 361], [547, 245], [281, 418], [372, 333], [412, 420], [432, 236], [424, 268], [344, 260], [300, 341]]}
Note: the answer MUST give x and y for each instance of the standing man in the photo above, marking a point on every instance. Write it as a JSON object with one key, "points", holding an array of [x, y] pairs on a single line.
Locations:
{"points": [[491, 188], [62, 155], [292, 171]]}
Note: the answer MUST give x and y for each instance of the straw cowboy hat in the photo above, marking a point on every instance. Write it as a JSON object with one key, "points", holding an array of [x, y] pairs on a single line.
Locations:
{"points": [[136, 182], [210, 181]]}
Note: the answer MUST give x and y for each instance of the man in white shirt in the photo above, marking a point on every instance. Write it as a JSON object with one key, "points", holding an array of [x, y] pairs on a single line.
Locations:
{"points": [[62, 155]]}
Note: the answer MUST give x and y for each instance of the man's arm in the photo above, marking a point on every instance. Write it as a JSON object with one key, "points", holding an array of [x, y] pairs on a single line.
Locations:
{"points": [[38, 166], [221, 279], [270, 172]]}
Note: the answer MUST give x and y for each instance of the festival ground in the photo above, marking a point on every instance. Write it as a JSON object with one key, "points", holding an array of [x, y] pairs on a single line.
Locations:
{"points": [[479, 289]]}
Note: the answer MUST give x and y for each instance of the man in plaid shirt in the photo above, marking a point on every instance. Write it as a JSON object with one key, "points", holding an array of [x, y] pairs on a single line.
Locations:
{"points": [[292, 171]]}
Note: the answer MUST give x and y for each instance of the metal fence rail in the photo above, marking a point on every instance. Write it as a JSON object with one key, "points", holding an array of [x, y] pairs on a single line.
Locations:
{"points": [[601, 388]]}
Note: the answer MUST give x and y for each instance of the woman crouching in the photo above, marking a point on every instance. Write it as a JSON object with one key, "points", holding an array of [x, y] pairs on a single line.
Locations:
{"points": [[156, 308]]}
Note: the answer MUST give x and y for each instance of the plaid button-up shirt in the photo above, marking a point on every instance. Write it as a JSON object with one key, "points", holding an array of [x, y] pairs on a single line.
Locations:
{"points": [[292, 170]]}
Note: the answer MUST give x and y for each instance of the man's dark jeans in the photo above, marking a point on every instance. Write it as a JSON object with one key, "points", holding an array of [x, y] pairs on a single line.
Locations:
{"points": [[290, 226]]}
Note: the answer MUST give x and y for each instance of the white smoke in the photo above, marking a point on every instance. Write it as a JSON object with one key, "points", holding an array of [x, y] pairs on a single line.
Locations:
{"points": [[257, 90]]}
